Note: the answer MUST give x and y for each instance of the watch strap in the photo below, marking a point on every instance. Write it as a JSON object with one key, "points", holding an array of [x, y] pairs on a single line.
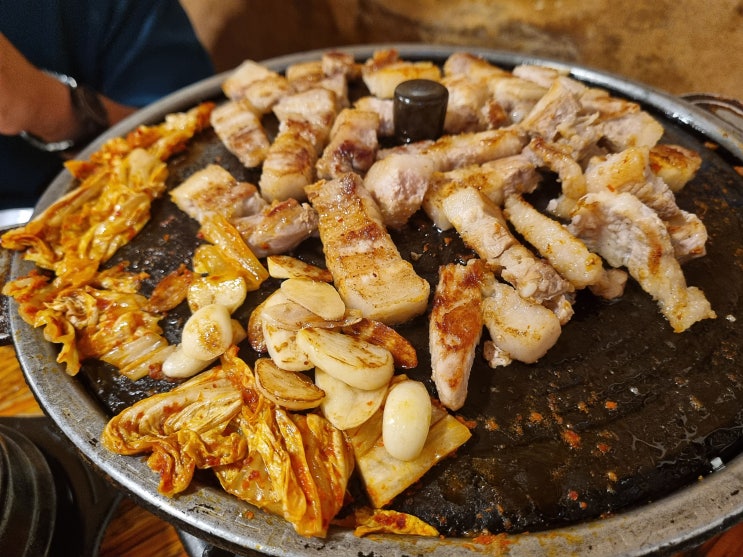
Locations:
{"points": [[88, 110]]}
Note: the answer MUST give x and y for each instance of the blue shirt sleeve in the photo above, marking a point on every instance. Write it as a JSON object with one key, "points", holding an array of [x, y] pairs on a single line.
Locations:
{"points": [[132, 51]]}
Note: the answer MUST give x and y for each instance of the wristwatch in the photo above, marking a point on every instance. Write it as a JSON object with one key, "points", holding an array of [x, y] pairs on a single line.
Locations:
{"points": [[89, 112]]}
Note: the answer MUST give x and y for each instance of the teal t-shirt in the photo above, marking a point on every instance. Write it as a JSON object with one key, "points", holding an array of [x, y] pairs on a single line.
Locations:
{"points": [[133, 51]]}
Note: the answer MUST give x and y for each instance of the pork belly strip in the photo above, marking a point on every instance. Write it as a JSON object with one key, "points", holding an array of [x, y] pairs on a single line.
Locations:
{"points": [[631, 171], [353, 144], [676, 165], [384, 109], [455, 328], [520, 329], [573, 183], [367, 268], [626, 232], [507, 98], [257, 84], [278, 227], [305, 122], [567, 254], [482, 226], [241, 131], [493, 179], [399, 180], [214, 190]]}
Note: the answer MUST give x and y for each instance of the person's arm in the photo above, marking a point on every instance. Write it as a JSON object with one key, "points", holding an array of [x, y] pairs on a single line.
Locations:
{"points": [[39, 104]]}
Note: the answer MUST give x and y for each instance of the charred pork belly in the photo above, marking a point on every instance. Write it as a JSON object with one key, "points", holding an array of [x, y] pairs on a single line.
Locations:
{"points": [[305, 122], [214, 190], [493, 179], [240, 129], [353, 144], [483, 227], [367, 268], [257, 84], [455, 328], [628, 233]]}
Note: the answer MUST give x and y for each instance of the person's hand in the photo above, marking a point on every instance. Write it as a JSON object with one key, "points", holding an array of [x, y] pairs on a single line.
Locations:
{"points": [[38, 103], [30, 99]]}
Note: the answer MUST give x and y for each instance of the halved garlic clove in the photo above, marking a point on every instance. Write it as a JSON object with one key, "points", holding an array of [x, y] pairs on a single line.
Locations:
{"points": [[320, 298], [255, 321], [286, 266], [229, 291], [294, 391], [344, 406], [285, 351], [354, 361], [292, 316], [207, 333], [406, 420]]}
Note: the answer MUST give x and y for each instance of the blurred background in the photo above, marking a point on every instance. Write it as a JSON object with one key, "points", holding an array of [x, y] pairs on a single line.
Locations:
{"points": [[680, 47]]}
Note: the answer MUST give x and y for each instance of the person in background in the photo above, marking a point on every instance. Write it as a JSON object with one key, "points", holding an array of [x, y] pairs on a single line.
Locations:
{"points": [[69, 69]]}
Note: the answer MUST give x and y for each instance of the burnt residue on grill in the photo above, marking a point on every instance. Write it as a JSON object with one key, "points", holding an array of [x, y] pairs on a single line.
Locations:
{"points": [[620, 412]]}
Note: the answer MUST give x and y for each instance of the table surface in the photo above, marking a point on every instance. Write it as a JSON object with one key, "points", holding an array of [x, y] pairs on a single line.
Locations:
{"points": [[135, 532]]}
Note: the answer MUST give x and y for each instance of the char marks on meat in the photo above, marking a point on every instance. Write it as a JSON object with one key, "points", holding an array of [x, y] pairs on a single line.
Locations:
{"points": [[455, 329], [566, 253], [305, 122], [353, 144], [483, 227], [257, 84], [627, 233], [367, 268], [214, 190], [241, 131], [278, 227]]}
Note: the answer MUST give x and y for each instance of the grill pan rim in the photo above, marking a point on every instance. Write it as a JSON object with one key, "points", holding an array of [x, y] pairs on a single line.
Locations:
{"points": [[679, 520]]}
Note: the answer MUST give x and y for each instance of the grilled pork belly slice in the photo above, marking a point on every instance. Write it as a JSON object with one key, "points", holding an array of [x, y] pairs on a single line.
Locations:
{"points": [[257, 84], [520, 329], [457, 151], [631, 171], [556, 111], [517, 97], [455, 328], [622, 123], [465, 111], [482, 226], [343, 63], [541, 75], [400, 178], [552, 156], [289, 164], [674, 164], [278, 228], [353, 144], [493, 179], [241, 131], [305, 122], [316, 107], [214, 190], [384, 71], [384, 109], [367, 268], [474, 67], [567, 254], [398, 184], [626, 232], [311, 74]]}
